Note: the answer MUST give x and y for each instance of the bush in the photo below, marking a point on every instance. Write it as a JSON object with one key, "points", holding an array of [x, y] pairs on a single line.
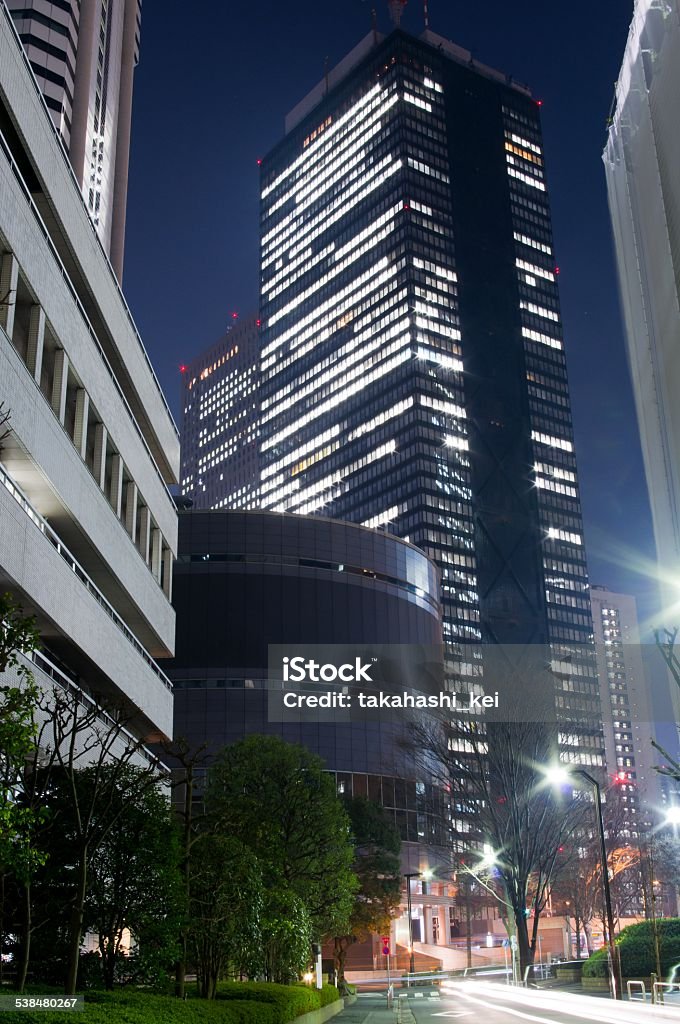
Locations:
{"points": [[142, 1008], [237, 1003], [290, 1001], [637, 950]]}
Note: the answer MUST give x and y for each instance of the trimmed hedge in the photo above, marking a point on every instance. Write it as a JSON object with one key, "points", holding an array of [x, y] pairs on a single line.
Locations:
{"points": [[637, 950], [237, 1003], [290, 1001]]}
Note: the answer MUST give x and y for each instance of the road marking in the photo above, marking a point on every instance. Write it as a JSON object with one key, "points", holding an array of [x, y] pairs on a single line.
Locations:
{"points": [[453, 1013]]}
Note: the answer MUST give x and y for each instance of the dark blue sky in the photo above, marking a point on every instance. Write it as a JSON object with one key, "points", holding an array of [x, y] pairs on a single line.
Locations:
{"points": [[211, 91]]}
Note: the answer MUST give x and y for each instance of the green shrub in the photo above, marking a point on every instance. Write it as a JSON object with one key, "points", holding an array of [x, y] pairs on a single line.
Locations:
{"points": [[637, 950], [290, 1001], [143, 1008], [237, 1003]]}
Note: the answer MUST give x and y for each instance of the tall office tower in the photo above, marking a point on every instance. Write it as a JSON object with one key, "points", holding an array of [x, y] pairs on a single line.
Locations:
{"points": [[219, 453], [88, 529], [83, 54], [413, 373], [642, 161], [626, 709]]}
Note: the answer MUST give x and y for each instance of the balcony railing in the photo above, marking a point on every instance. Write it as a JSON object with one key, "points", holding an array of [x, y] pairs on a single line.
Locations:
{"points": [[80, 573]]}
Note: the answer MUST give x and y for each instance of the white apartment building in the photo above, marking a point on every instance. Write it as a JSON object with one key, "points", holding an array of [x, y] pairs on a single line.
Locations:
{"points": [[642, 165], [88, 529], [83, 54]]}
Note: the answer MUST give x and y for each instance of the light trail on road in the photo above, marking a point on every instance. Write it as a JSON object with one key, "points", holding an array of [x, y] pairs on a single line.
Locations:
{"points": [[531, 1005]]}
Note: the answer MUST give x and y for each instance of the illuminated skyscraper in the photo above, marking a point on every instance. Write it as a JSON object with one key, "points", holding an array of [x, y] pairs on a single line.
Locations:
{"points": [[413, 373], [626, 708], [219, 455], [83, 54]]}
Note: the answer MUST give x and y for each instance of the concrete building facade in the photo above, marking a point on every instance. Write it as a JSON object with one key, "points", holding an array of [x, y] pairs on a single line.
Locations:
{"points": [[83, 54], [88, 527], [642, 163]]}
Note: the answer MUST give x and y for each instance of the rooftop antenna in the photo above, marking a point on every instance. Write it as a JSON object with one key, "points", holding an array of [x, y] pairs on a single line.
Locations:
{"points": [[426, 15], [374, 25], [396, 8]]}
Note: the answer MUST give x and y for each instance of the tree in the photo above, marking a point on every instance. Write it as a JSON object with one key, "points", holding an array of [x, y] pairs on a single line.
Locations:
{"points": [[78, 735], [187, 775], [18, 702], [226, 904], [287, 934], [377, 866], [494, 769], [277, 798], [134, 877]]}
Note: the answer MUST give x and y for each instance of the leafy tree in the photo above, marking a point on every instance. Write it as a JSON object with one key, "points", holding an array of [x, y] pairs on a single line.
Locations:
{"points": [[18, 703], [187, 776], [287, 935], [377, 866], [134, 879], [281, 803], [86, 750], [225, 911]]}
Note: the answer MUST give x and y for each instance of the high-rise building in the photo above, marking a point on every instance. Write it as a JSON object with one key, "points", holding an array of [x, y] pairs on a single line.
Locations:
{"points": [[83, 54], [626, 709], [413, 375], [220, 413], [642, 160], [88, 529]]}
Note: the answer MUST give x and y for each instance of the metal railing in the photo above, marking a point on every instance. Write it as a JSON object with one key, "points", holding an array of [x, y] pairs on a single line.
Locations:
{"points": [[80, 573], [70, 683]]}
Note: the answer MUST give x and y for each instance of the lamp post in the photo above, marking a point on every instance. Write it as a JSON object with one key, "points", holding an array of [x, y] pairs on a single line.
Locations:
{"points": [[408, 876], [560, 776]]}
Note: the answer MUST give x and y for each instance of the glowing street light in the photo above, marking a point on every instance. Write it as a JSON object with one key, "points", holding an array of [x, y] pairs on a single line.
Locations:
{"points": [[559, 776], [672, 816]]}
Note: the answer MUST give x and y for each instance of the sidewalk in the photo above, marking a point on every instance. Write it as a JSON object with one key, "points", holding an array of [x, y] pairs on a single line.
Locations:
{"points": [[371, 1008]]}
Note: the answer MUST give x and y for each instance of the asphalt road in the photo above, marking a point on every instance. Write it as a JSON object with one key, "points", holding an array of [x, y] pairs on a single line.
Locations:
{"points": [[473, 1001]]}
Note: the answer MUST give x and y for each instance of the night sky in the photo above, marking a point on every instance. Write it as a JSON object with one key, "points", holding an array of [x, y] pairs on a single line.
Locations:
{"points": [[212, 89]]}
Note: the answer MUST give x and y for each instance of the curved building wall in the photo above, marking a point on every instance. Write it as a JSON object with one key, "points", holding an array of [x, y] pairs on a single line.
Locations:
{"points": [[245, 580]]}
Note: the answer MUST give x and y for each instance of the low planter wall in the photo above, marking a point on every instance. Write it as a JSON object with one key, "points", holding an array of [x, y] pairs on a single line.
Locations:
{"points": [[325, 1013]]}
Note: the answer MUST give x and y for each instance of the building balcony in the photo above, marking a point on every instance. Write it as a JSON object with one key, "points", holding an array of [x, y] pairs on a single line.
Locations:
{"points": [[74, 616]]}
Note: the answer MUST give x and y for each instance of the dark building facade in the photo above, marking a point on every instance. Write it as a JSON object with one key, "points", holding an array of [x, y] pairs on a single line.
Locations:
{"points": [[245, 580], [413, 374]]}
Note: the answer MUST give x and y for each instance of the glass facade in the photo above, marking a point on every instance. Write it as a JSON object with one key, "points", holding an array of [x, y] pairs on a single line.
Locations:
{"points": [[245, 580], [219, 437], [413, 376]]}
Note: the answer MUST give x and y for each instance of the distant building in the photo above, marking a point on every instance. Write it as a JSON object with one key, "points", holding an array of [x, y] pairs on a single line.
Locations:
{"points": [[627, 715], [88, 529], [220, 422], [83, 54], [642, 165]]}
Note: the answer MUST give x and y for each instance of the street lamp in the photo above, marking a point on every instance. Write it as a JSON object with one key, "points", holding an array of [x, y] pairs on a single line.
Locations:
{"points": [[558, 777], [672, 816], [408, 876]]}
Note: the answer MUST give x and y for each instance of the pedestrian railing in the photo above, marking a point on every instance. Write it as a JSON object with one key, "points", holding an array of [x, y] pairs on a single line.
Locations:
{"points": [[637, 986]]}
